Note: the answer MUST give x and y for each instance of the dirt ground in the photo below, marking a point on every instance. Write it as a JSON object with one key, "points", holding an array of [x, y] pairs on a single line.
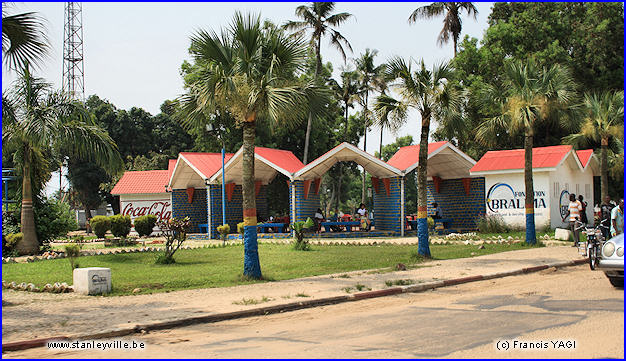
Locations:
{"points": [[28, 315], [466, 321]]}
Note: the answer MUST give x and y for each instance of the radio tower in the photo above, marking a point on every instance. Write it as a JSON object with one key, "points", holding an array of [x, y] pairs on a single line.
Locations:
{"points": [[73, 69]]}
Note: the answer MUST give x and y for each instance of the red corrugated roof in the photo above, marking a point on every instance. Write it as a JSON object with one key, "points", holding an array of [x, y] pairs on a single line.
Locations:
{"points": [[170, 167], [544, 157], [149, 181], [281, 158], [409, 155], [584, 156], [206, 163]]}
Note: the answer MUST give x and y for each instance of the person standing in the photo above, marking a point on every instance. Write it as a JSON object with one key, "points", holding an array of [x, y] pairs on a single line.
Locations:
{"points": [[605, 216], [583, 212], [617, 219], [573, 211]]}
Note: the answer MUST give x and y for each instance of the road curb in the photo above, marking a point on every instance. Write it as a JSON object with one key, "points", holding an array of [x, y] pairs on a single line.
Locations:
{"points": [[288, 307]]}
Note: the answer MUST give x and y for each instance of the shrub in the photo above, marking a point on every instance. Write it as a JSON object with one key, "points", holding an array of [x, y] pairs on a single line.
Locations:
{"points": [[72, 252], [224, 230], [10, 222], [175, 233], [145, 224], [100, 225], [240, 228], [120, 225], [492, 224], [9, 242], [298, 228], [431, 222], [53, 219]]}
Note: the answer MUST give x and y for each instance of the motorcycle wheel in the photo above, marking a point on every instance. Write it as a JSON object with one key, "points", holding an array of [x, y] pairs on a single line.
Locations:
{"points": [[593, 260]]}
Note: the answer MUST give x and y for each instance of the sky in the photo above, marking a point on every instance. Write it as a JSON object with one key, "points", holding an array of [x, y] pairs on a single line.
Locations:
{"points": [[133, 51]]}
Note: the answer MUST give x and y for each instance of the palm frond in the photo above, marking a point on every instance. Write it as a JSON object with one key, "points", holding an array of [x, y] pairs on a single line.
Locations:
{"points": [[24, 40]]}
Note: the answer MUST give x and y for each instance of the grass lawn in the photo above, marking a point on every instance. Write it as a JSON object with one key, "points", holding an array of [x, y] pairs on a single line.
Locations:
{"points": [[222, 267], [100, 245]]}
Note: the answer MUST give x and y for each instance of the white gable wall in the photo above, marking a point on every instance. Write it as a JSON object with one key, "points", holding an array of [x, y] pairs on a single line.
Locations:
{"points": [[569, 178], [505, 197]]}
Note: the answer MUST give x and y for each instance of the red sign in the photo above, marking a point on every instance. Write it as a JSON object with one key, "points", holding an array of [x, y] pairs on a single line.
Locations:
{"points": [[161, 209]]}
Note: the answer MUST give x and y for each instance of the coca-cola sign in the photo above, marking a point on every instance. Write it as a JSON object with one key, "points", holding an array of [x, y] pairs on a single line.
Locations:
{"points": [[161, 209]]}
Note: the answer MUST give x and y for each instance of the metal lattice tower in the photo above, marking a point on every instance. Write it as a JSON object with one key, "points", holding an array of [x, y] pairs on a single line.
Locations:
{"points": [[73, 68]]}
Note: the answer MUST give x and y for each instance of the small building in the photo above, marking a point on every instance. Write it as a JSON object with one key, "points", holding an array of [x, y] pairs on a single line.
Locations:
{"points": [[145, 192], [557, 172], [449, 183]]}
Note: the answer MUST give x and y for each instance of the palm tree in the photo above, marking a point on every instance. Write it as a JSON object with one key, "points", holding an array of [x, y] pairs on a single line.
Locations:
{"points": [[348, 92], [391, 114], [532, 95], [249, 72], [23, 39], [452, 21], [36, 120], [434, 97], [603, 124], [371, 78], [319, 19]]}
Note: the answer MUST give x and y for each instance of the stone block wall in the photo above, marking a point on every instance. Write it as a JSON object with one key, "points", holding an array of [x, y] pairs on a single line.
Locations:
{"points": [[234, 207], [464, 210], [196, 210], [304, 207], [387, 207]]}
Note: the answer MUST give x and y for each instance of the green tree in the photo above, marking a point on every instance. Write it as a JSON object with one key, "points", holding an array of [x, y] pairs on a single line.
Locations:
{"points": [[34, 120], [391, 114], [410, 179], [433, 96], [318, 18], [603, 124], [24, 39], [371, 79], [452, 24], [533, 95], [249, 72]]}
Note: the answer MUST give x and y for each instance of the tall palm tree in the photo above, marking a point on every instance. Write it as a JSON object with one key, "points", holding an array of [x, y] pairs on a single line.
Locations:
{"points": [[249, 72], [533, 94], [36, 120], [348, 92], [319, 19], [603, 124], [434, 97], [371, 78], [391, 114], [452, 24], [23, 39]]}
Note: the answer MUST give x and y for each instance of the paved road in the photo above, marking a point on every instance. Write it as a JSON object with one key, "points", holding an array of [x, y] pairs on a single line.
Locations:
{"points": [[571, 304]]}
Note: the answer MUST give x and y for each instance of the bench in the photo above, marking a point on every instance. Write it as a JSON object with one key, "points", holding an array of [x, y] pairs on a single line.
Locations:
{"points": [[444, 221], [348, 225], [263, 227]]}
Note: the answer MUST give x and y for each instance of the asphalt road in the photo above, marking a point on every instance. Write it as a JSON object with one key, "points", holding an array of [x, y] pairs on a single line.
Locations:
{"points": [[573, 305]]}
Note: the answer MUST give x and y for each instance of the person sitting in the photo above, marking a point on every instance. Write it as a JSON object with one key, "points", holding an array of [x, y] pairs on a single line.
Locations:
{"points": [[318, 219], [438, 212], [362, 213]]}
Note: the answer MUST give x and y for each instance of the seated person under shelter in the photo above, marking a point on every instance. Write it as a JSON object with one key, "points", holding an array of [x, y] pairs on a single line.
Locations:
{"points": [[365, 221], [318, 219], [438, 212]]}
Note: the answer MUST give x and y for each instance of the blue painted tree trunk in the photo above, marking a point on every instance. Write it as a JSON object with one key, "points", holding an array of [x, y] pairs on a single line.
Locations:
{"points": [[251, 264], [531, 236], [422, 236]]}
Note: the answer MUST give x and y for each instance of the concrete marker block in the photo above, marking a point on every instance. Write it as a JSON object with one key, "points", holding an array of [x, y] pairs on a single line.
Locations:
{"points": [[92, 280]]}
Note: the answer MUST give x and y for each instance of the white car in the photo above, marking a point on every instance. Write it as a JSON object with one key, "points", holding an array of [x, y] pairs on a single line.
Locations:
{"points": [[611, 260]]}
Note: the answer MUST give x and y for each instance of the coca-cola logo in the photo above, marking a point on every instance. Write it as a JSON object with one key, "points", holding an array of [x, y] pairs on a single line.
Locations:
{"points": [[161, 209]]}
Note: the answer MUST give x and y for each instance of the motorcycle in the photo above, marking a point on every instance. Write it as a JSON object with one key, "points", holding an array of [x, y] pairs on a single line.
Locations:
{"points": [[593, 246]]}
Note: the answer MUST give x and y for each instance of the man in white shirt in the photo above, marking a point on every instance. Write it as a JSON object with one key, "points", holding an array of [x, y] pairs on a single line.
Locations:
{"points": [[573, 211]]}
